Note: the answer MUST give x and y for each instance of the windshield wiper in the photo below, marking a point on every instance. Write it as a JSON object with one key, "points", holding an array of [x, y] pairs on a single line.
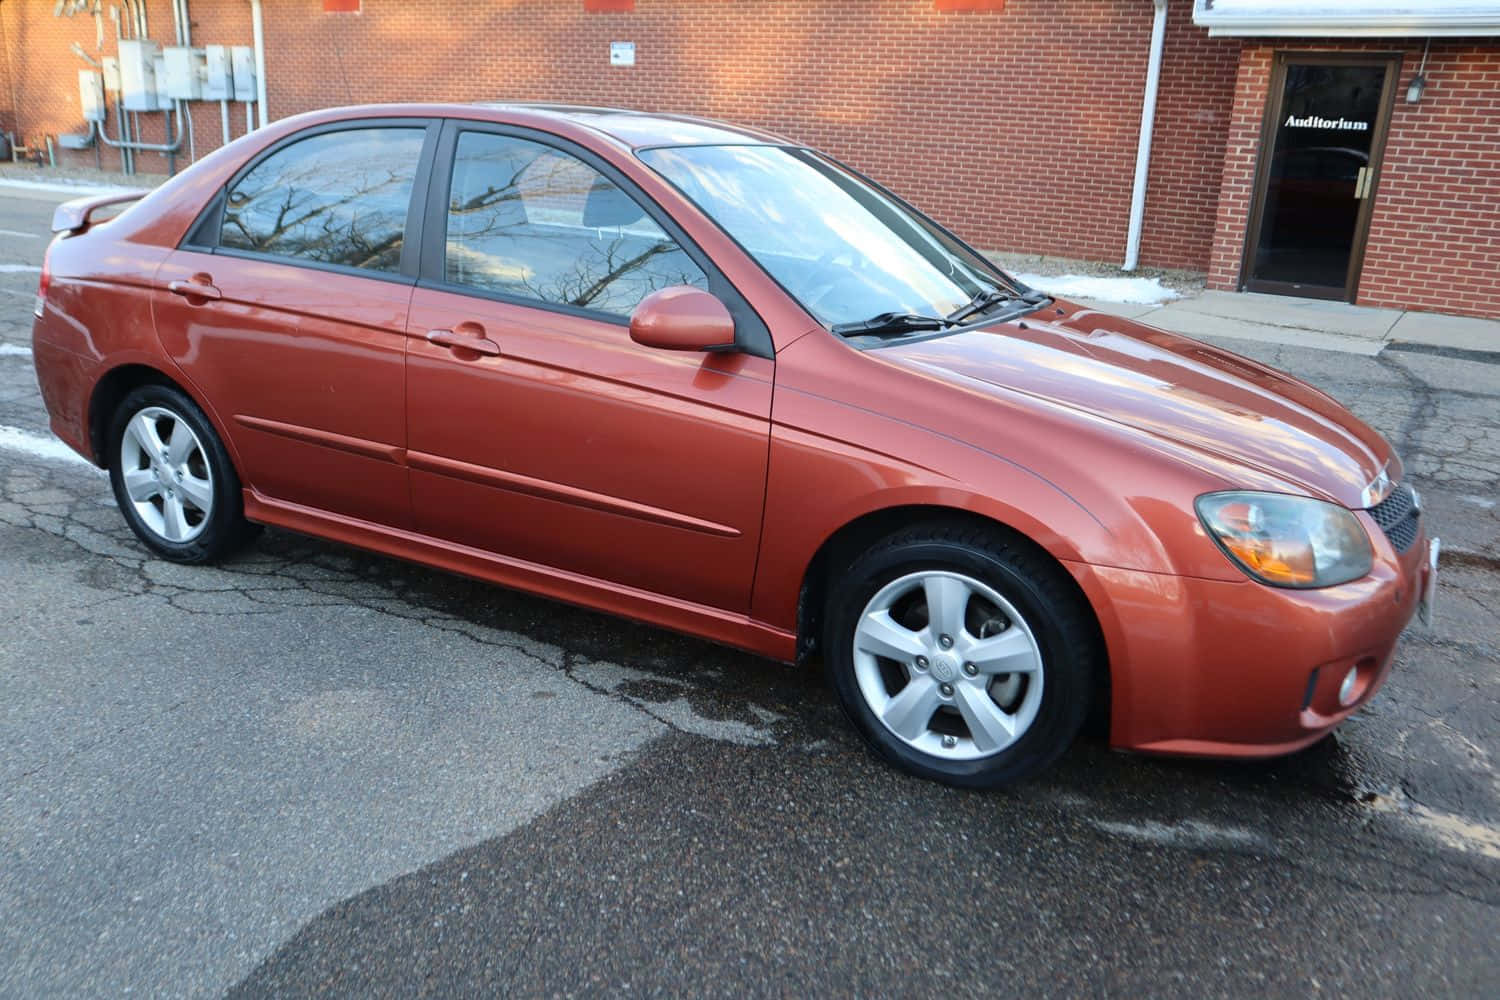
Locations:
{"points": [[891, 322], [978, 304], [983, 300]]}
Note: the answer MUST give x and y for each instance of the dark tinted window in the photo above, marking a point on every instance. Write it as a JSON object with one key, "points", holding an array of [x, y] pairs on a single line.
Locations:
{"points": [[529, 220], [336, 198]]}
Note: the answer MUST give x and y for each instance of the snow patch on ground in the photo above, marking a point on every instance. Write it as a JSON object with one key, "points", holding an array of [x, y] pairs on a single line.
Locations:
{"points": [[1136, 291], [65, 185], [37, 446]]}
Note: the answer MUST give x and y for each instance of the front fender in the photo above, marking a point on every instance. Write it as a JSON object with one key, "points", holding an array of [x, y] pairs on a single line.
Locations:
{"points": [[852, 436]]}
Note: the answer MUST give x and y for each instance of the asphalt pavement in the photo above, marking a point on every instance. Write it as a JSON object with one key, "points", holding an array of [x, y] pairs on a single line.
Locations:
{"points": [[314, 770]]}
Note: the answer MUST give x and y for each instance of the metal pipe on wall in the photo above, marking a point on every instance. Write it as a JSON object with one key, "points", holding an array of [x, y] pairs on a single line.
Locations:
{"points": [[127, 157], [149, 147], [184, 30], [1143, 151], [258, 30]]}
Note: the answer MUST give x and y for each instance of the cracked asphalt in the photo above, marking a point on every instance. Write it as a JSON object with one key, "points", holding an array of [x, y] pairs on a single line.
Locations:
{"points": [[314, 770]]}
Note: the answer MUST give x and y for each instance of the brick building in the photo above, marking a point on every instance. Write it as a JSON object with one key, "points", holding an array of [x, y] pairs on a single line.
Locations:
{"points": [[1286, 153]]}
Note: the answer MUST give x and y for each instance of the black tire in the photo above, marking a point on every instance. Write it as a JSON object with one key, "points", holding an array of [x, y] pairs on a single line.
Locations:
{"points": [[1065, 632], [224, 528]]}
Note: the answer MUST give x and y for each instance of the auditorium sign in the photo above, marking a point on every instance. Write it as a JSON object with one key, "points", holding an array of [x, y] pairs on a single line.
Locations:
{"points": [[1313, 121]]}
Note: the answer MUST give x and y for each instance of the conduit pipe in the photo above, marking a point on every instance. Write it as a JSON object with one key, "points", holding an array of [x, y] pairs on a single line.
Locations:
{"points": [[184, 29], [1143, 151], [149, 147], [258, 30]]}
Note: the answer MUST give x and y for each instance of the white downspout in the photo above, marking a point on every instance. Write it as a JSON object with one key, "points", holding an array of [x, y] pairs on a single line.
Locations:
{"points": [[1143, 152], [258, 29]]}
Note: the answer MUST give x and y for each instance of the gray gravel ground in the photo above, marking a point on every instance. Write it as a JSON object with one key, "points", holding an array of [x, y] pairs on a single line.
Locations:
{"points": [[313, 770]]}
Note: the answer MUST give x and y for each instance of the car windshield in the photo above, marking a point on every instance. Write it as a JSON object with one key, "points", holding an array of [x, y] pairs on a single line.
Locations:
{"points": [[844, 249]]}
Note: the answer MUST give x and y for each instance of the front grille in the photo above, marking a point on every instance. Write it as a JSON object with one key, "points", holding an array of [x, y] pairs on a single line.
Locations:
{"points": [[1397, 516]]}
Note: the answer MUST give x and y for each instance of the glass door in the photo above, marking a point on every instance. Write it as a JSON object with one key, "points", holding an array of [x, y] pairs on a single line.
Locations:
{"points": [[1320, 155]]}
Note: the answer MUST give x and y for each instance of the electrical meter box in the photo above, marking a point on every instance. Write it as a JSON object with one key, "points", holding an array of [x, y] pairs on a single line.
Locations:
{"points": [[91, 95], [184, 72], [111, 74], [218, 76], [243, 59], [163, 99], [138, 74]]}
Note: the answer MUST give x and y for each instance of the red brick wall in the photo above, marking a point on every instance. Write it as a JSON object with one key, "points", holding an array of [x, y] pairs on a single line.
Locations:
{"points": [[1237, 182], [1434, 239], [1187, 150], [1016, 127], [39, 94]]}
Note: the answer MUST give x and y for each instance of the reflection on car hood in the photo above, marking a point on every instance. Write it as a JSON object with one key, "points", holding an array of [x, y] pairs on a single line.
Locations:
{"points": [[1170, 387]]}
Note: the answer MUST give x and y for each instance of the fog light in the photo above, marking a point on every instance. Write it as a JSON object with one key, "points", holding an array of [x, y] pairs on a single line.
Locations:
{"points": [[1346, 689]]}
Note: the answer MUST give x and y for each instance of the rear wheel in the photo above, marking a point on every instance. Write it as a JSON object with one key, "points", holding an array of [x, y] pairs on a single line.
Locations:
{"points": [[172, 477], [962, 654]]}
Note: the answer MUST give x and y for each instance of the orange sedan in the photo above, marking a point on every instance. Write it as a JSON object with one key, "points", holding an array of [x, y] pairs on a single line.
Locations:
{"points": [[704, 377]]}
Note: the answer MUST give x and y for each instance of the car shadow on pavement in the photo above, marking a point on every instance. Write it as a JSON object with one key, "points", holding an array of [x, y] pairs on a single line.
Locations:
{"points": [[780, 869], [795, 861]]}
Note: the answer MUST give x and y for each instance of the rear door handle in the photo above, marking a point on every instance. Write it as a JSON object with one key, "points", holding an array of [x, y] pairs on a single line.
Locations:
{"points": [[195, 290], [478, 343]]}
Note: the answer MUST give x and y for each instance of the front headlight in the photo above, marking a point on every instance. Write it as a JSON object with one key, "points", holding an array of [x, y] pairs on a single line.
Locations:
{"points": [[1287, 541]]}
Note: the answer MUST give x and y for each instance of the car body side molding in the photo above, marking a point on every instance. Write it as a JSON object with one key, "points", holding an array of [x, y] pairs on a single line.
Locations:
{"points": [[377, 450], [530, 486]]}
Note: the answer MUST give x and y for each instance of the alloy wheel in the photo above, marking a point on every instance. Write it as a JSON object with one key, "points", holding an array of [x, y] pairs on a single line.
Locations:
{"points": [[166, 474], [947, 665]]}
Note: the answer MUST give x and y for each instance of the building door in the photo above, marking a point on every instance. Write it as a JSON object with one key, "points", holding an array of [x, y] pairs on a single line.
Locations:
{"points": [[1319, 164]]}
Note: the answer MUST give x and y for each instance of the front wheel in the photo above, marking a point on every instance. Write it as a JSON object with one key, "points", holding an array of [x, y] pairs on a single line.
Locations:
{"points": [[962, 654], [172, 477]]}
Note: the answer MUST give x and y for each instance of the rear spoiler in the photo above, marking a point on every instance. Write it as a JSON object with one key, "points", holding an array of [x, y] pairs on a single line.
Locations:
{"points": [[77, 215]]}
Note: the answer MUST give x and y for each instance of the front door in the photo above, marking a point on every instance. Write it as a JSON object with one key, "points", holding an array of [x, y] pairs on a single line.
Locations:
{"points": [[537, 429], [1319, 165]]}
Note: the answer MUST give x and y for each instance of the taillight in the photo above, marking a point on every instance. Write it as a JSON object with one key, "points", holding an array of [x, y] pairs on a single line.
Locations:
{"points": [[41, 286]]}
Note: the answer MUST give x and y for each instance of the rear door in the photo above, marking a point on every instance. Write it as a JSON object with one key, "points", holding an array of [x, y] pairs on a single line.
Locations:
{"points": [[287, 309], [561, 441]]}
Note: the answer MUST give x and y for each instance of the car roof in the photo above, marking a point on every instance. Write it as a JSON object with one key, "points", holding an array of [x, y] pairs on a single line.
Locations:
{"points": [[638, 129]]}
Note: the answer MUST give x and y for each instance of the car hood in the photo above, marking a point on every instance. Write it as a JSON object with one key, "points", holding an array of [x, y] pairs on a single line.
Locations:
{"points": [[1170, 387]]}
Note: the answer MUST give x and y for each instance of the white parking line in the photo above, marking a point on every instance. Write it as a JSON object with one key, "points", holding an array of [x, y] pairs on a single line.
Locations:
{"points": [[1190, 833], [20, 269], [17, 232], [78, 189], [38, 446], [14, 351]]}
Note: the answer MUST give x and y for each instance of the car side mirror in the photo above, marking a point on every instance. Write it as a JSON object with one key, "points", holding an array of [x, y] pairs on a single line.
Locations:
{"points": [[682, 318]]}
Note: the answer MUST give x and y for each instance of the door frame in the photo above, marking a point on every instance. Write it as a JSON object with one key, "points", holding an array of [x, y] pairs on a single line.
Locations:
{"points": [[1271, 122]]}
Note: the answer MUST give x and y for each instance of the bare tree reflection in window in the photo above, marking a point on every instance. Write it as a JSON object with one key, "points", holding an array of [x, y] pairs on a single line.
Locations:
{"points": [[528, 220], [338, 198]]}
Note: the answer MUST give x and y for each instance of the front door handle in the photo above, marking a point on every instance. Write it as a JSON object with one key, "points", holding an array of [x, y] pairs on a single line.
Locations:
{"points": [[201, 287], [478, 343]]}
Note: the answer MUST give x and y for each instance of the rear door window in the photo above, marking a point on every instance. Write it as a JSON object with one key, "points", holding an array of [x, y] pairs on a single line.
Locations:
{"points": [[528, 220], [334, 198]]}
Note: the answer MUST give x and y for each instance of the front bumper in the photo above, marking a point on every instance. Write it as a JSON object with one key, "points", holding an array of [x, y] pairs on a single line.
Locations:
{"points": [[1240, 669]]}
